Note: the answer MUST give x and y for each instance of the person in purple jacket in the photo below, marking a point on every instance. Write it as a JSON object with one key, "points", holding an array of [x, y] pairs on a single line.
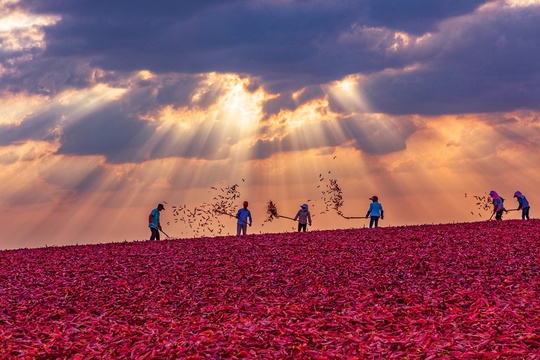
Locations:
{"points": [[498, 204], [523, 205]]}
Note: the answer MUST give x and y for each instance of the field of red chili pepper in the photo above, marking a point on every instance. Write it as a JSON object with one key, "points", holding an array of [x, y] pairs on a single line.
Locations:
{"points": [[433, 291]]}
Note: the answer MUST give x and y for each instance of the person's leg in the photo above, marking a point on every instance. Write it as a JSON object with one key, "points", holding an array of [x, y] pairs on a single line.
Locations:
{"points": [[155, 234], [376, 221], [498, 215], [299, 227], [371, 221], [238, 229], [526, 213], [304, 227]]}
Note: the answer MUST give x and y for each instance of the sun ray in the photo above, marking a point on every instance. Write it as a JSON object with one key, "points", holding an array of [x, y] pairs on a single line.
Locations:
{"points": [[348, 94]]}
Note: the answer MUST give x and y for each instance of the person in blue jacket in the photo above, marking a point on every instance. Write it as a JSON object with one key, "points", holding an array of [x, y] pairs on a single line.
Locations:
{"points": [[523, 205], [243, 215], [153, 222], [375, 212]]}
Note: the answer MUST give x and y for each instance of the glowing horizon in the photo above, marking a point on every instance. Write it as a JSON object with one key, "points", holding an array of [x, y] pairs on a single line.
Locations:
{"points": [[413, 177]]}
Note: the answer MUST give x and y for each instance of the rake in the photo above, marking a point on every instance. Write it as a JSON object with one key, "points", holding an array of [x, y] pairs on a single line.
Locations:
{"points": [[165, 233], [352, 217]]}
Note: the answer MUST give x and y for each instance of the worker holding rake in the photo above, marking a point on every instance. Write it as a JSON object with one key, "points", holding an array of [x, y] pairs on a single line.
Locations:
{"points": [[304, 217], [153, 222], [375, 212], [243, 215], [523, 205], [498, 205]]}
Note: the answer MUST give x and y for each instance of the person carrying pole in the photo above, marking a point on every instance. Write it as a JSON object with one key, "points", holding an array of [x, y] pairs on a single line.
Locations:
{"points": [[243, 215], [153, 222], [304, 217], [375, 211]]}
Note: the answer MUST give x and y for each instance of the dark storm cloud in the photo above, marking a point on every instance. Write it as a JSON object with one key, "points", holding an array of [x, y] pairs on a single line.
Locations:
{"points": [[473, 61], [417, 16], [176, 92], [118, 132], [487, 64], [121, 138], [39, 127], [370, 135], [106, 132], [44, 76], [288, 44]]}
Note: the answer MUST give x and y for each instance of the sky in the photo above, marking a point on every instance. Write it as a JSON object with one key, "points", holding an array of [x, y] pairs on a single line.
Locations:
{"points": [[109, 108]]}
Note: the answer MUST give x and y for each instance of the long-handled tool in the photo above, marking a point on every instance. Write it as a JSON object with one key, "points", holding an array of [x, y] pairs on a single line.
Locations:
{"points": [[272, 211], [225, 213], [164, 233], [506, 211], [353, 217]]}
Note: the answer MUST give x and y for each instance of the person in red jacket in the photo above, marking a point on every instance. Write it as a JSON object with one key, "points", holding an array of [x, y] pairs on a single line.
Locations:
{"points": [[153, 222]]}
